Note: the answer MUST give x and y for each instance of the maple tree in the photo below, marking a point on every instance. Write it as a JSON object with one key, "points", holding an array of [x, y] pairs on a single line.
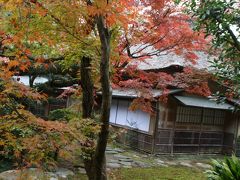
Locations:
{"points": [[161, 27], [51, 135], [191, 80], [18, 39], [26, 140]]}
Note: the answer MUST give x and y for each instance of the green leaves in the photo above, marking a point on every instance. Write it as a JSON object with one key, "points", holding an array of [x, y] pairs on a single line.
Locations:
{"points": [[228, 169], [219, 19], [61, 115]]}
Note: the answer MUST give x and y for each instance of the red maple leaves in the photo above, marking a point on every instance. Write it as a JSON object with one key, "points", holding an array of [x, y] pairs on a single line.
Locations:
{"points": [[191, 80]]}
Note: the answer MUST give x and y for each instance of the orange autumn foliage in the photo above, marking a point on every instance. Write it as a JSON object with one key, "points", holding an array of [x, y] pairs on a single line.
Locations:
{"points": [[27, 140]]}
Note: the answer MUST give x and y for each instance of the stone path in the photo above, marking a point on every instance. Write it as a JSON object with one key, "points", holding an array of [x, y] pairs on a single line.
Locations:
{"points": [[116, 158]]}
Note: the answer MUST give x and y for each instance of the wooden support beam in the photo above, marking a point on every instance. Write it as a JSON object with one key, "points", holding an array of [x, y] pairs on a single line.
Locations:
{"points": [[237, 117], [200, 132], [173, 134], [155, 132]]}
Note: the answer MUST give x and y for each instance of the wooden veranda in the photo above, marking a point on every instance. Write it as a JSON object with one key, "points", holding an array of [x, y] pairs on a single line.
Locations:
{"points": [[173, 141]]}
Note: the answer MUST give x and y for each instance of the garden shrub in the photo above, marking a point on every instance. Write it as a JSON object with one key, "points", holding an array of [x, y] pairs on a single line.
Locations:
{"points": [[30, 141], [227, 169], [61, 115]]}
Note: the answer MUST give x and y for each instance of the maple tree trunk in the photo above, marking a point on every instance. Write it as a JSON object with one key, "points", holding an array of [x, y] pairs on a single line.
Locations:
{"points": [[87, 104], [99, 156], [87, 88]]}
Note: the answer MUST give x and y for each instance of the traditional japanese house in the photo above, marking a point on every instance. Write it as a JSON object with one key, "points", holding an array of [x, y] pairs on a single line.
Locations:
{"points": [[185, 124]]}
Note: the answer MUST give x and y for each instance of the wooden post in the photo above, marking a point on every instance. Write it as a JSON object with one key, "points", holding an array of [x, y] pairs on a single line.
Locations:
{"points": [[173, 133], [236, 132], [200, 132], [155, 131]]}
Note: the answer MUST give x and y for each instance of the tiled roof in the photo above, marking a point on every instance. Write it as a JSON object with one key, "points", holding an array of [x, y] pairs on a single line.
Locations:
{"points": [[134, 93], [203, 102]]}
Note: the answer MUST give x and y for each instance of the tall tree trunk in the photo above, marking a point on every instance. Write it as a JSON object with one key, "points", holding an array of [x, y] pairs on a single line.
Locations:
{"points": [[87, 104], [87, 88], [99, 156]]}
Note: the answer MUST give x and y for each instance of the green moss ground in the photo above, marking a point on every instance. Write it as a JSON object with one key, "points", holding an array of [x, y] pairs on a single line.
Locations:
{"points": [[158, 173]]}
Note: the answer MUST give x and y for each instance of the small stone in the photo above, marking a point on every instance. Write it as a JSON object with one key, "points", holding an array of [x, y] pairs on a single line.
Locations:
{"points": [[108, 169], [171, 163], [112, 152], [63, 173], [141, 164], [109, 148], [119, 156], [203, 165], [82, 170], [135, 156], [52, 175], [160, 161], [113, 165], [186, 164], [125, 160], [113, 161], [125, 163], [162, 165], [119, 150], [115, 149]]}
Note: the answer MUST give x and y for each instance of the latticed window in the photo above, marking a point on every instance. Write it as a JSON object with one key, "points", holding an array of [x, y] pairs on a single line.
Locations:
{"points": [[213, 116], [196, 115], [188, 114], [208, 116]]}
